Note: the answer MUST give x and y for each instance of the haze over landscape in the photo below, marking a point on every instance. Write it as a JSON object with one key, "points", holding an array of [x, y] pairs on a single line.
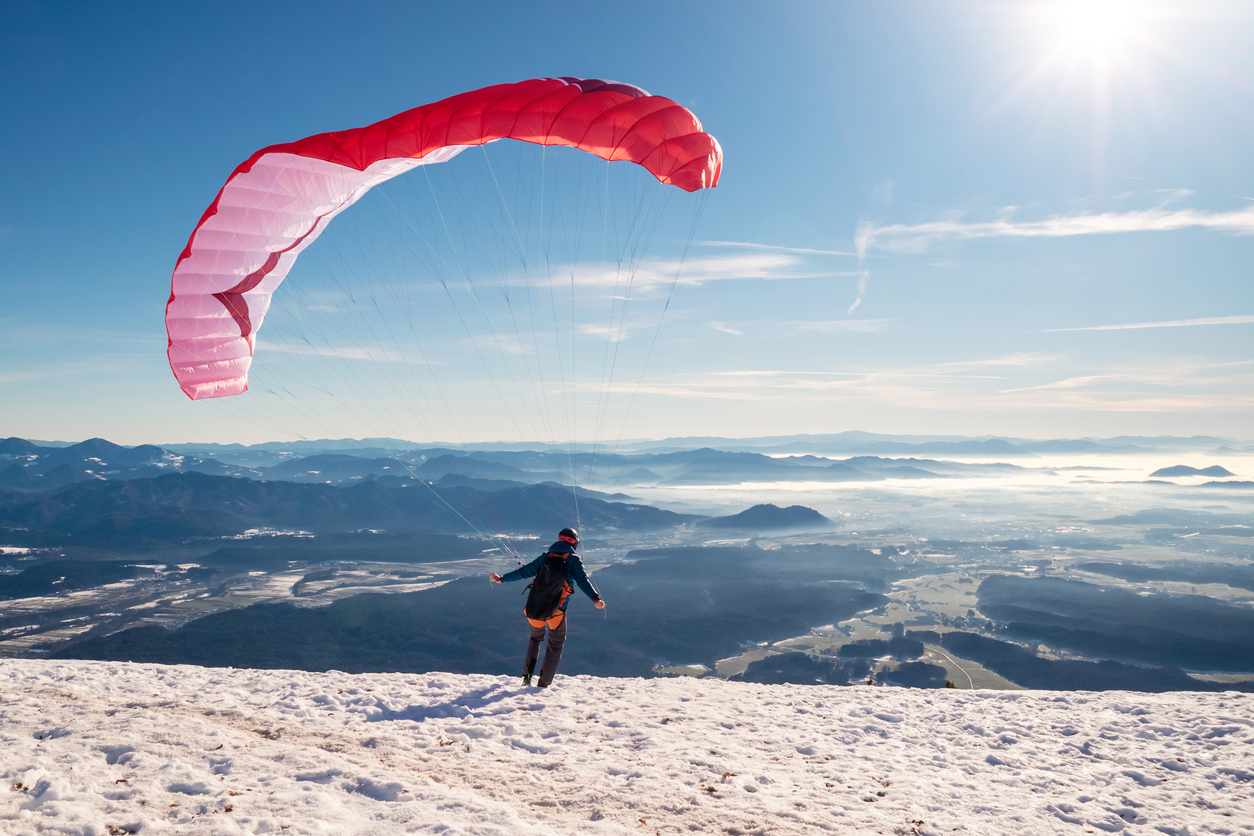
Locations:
{"points": [[895, 370]]}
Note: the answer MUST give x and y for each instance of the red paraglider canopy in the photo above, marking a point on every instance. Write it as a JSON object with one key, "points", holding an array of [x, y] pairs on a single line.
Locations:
{"points": [[278, 201]]}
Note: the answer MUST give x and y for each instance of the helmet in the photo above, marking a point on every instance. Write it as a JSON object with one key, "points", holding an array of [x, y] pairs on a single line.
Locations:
{"points": [[569, 535]]}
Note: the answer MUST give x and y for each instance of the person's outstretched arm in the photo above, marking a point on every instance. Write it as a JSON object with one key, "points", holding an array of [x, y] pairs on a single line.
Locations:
{"points": [[581, 580], [528, 571]]}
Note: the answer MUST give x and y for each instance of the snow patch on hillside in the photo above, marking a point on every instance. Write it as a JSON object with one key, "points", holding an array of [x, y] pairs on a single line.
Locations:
{"points": [[107, 748]]}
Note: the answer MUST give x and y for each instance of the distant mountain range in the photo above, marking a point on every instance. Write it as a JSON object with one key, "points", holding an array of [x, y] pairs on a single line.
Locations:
{"points": [[30, 467], [855, 442], [25, 466]]}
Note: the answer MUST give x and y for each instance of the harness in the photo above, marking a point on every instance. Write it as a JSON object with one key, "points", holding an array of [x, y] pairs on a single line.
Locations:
{"points": [[549, 591]]}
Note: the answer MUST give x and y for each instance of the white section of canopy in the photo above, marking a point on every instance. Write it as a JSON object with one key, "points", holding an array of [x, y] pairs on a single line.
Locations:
{"points": [[280, 205]]}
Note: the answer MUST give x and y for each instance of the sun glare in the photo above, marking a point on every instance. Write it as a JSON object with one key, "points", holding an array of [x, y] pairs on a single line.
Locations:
{"points": [[1096, 29]]}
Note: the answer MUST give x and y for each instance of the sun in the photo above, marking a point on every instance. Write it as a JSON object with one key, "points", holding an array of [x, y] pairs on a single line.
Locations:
{"points": [[1096, 30], [1103, 57]]}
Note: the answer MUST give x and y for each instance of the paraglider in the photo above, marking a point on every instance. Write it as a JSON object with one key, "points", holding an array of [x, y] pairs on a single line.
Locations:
{"points": [[276, 203]]}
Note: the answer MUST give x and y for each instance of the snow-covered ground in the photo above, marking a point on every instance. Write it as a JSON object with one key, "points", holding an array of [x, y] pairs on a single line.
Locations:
{"points": [[104, 748]]}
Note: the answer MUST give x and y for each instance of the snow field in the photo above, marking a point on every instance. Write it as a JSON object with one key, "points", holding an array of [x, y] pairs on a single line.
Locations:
{"points": [[106, 748]]}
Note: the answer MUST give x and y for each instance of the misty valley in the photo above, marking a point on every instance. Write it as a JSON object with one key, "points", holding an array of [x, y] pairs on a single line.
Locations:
{"points": [[968, 563]]}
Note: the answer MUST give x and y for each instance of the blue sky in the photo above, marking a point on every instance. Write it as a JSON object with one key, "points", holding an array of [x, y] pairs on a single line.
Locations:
{"points": [[1033, 219]]}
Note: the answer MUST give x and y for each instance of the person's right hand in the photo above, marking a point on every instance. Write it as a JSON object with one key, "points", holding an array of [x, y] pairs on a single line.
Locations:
{"points": [[494, 577]]}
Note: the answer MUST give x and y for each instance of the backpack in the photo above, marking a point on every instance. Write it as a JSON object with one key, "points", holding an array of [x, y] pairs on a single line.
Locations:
{"points": [[548, 588]]}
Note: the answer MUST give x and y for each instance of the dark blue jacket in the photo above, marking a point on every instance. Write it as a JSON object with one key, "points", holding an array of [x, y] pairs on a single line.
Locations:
{"points": [[574, 571]]}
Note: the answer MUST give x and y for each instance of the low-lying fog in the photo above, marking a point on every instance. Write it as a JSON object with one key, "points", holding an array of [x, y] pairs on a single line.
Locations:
{"points": [[1033, 491]]}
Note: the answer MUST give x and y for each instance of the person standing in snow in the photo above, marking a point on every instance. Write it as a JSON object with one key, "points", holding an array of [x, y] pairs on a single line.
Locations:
{"points": [[546, 605]]}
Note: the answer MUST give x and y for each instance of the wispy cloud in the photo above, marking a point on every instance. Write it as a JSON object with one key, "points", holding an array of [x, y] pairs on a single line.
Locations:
{"points": [[718, 326], [376, 354], [23, 332], [21, 376], [614, 334], [1068, 383], [857, 326], [899, 387], [919, 237], [752, 246], [782, 372], [1245, 319], [1016, 359], [655, 273], [863, 278], [97, 366], [1028, 386]]}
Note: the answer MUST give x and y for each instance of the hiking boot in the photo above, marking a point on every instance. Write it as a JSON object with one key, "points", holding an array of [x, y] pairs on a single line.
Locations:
{"points": [[526, 680]]}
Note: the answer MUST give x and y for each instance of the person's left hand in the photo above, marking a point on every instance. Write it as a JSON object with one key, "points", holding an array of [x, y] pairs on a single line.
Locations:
{"points": [[494, 577], [599, 604]]}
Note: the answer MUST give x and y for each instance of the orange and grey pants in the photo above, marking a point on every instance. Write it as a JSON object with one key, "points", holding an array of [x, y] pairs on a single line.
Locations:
{"points": [[556, 627]]}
